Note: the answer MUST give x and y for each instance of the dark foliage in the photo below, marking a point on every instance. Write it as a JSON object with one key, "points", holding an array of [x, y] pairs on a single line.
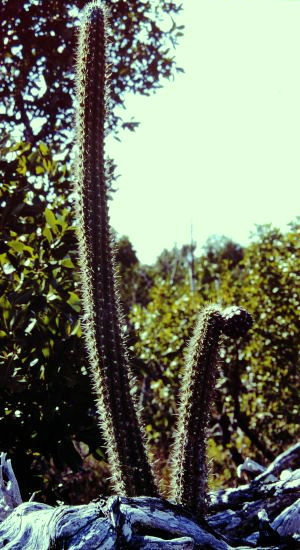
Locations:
{"points": [[38, 40]]}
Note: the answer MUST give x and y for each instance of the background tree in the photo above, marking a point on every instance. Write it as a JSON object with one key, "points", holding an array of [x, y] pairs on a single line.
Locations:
{"points": [[38, 40]]}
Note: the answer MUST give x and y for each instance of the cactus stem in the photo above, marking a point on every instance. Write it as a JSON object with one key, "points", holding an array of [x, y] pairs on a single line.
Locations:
{"points": [[110, 370], [188, 457]]}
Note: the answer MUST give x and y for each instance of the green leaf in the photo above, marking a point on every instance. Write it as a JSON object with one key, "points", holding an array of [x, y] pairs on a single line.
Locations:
{"points": [[47, 233], [51, 220], [67, 263], [43, 148], [51, 296], [22, 166], [46, 352], [77, 329], [47, 165], [18, 246], [31, 325], [74, 301], [100, 454]]}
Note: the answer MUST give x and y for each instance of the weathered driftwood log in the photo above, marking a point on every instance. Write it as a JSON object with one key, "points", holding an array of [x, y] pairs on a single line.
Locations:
{"points": [[263, 514], [275, 491]]}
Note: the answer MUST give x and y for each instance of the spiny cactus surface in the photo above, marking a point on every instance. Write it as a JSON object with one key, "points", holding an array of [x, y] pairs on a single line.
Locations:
{"points": [[189, 468], [109, 364]]}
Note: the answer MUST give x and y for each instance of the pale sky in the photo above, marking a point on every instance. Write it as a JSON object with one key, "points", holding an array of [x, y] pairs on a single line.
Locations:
{"points": [[219, 147]]}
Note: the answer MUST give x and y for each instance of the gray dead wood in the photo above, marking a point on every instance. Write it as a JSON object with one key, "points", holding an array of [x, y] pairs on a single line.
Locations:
{"points": [[10, 496], [262, 514]]}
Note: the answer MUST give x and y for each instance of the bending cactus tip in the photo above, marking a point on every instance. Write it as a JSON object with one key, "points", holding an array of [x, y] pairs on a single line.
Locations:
{"points": [[236, 321]]}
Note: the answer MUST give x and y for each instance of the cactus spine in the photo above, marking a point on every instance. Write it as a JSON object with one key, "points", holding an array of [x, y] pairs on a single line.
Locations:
{"points": [[109, 364], [189, 470]]}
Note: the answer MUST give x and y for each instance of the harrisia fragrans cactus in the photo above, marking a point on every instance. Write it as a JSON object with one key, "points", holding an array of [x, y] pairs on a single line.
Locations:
{"points": [[109, 362], [189, 470]]}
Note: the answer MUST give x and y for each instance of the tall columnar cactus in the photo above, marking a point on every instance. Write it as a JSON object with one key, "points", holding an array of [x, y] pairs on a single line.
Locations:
{"points": [[189, 470], [109, 364]]}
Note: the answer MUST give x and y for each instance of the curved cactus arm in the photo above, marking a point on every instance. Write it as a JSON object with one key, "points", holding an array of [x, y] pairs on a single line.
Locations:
{"points": [[189, 470], [102, 320]]}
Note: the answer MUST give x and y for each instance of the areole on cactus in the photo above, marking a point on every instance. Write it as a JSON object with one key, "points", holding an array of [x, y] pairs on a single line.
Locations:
{"points": [[111, 373]]}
